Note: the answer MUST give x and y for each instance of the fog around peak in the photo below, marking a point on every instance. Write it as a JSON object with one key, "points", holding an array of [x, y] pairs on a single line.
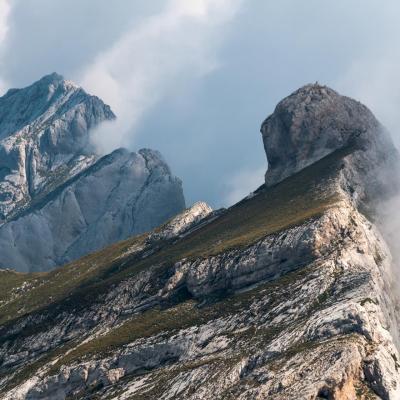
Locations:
{"points": [[196, 79]]}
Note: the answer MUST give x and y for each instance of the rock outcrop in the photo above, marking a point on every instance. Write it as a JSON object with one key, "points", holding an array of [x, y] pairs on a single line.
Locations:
{"points": [[286, 295], [183, 222], [44, 138], [59, 200], [315, 121]]}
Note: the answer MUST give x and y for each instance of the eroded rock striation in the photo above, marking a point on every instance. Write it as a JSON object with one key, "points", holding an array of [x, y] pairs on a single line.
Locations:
{"points": [[59, 199], [286, 295]]}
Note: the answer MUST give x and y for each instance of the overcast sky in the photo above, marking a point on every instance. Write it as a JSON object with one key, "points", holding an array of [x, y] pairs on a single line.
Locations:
{"points": [[195, 78]]}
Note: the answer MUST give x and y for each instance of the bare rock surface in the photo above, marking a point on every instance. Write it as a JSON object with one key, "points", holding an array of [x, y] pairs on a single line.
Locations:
{"points": [[183, 222], [315, 121], [287, 295], [60, 200]]}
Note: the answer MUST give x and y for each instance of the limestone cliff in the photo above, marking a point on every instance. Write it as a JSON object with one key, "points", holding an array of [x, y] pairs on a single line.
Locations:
{"points": [[59, 199], [286, 295]]}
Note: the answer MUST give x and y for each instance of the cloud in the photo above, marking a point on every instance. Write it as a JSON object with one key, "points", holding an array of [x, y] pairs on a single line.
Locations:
{"points": [[165, 50], [372, 74], [197, 78], [78, 34], [376, 83], [4, 15], [243, 183]]}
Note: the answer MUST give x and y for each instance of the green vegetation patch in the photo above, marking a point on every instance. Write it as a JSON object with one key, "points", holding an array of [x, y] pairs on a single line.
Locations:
{"points": [[45, 288], [10, 281]]}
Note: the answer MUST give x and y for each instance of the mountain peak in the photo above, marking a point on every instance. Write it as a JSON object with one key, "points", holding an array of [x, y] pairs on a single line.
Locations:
{"points": [[45, 126], [286, 293], [53, 77], [36, 104], [313, 122], [49, 170]]}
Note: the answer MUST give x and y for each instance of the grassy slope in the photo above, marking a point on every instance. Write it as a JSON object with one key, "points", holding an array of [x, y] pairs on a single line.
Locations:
{"points": [[169, 321], [298, 198]]}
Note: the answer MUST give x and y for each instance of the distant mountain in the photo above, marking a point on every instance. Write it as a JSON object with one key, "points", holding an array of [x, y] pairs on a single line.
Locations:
{"points": [[60, 200], [286, 295]]}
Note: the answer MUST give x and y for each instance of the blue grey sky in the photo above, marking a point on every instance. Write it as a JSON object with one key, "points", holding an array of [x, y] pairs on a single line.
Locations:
{"points": [[195, 78]]}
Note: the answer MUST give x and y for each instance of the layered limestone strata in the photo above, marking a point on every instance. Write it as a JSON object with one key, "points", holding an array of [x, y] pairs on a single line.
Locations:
{"points": [[289, 294], [303, 331]]}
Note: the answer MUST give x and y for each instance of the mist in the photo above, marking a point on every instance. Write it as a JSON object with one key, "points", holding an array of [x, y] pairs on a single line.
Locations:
{"points": [[195, 79], [4, 15], [167, 49]]}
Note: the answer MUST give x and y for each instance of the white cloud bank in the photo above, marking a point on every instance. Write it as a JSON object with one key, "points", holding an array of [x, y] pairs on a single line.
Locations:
{"points": [[372, 75], [377, 84], [4, 14], [170, 48]]}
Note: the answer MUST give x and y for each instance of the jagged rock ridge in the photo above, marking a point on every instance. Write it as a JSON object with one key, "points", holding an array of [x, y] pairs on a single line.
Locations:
{"points": [[285, 295], [44, 135], [60, 200]]}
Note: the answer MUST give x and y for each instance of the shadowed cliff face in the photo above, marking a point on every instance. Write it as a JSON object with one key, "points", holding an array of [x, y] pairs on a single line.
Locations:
{"points": [[59, 200], [285, 295]]}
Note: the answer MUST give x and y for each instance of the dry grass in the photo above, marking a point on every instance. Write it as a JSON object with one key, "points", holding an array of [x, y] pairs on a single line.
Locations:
{"points": [[305, 195]]}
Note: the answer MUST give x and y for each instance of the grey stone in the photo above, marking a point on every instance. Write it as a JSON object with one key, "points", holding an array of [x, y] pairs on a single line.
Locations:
{"points": [[313, 122], [305, 312], [60, 200]]}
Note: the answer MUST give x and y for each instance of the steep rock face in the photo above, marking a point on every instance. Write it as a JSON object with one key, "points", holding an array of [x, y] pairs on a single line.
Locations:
{"points": [[286, 295], [44, 138], [122, 194], [60, 200], [319, 333], [315, 121]]}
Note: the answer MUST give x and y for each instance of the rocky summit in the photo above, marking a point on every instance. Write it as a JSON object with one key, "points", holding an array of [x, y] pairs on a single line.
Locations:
{"points": [[314, 122], [59, 199], [289, 294]]}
